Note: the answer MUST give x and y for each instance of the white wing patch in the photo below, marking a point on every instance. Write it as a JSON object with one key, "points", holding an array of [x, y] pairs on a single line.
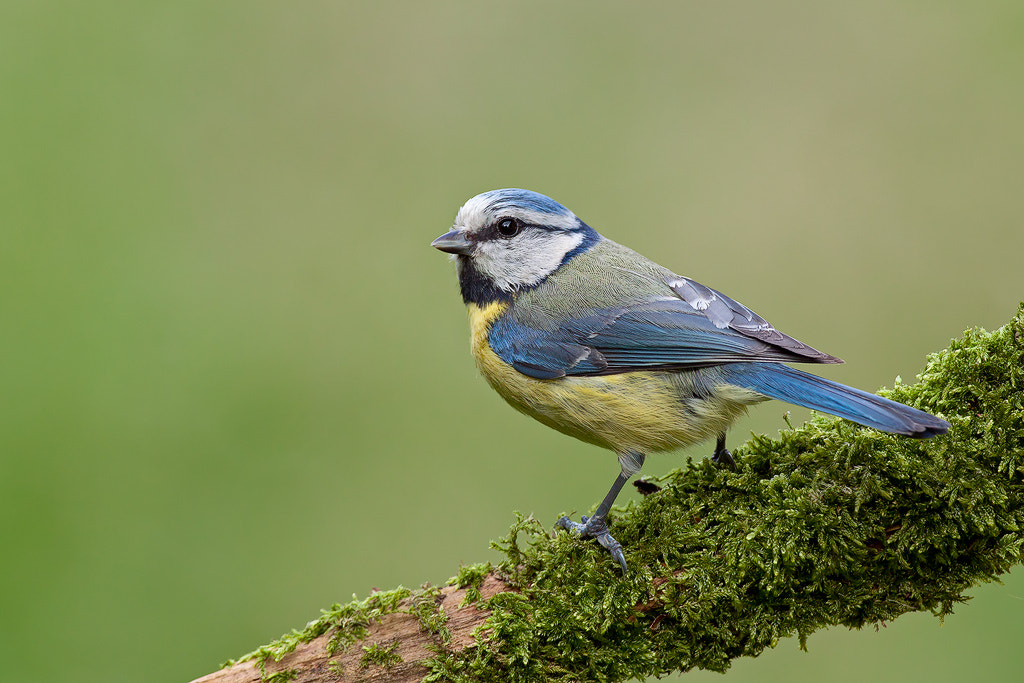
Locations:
{"points": [[701, 299]]}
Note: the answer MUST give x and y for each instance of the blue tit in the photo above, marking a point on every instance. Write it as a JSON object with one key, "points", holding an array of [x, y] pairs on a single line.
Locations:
{"points": [[600, 343]]}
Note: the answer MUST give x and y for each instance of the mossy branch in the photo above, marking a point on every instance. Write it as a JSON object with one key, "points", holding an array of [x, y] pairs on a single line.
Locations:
{"points": [[830, 524]]}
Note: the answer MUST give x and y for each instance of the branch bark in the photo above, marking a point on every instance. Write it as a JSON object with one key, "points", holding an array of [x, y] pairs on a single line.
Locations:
{"points": [[831, 524], [401, 630]]}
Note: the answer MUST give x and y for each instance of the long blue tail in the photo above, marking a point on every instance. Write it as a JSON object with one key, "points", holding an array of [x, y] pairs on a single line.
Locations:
{"points": [[804, 389]]}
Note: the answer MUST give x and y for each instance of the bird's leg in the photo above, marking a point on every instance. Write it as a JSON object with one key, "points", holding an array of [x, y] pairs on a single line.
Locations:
{"points": [[595, 526], [722, 457]]}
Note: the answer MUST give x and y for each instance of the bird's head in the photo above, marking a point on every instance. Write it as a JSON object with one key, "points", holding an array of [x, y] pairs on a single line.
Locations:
{"points": [[509, 240]]}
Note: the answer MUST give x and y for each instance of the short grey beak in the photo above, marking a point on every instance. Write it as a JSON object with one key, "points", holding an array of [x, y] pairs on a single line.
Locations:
{"points": [[453, 242]]}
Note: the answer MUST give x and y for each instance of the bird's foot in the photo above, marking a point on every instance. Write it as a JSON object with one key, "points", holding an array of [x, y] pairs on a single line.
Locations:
{"points": [[723, 458], [595, 527]]}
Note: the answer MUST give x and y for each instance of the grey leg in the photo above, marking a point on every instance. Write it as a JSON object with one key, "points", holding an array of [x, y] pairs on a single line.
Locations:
{"points": [[722, 457], [595, 526]]}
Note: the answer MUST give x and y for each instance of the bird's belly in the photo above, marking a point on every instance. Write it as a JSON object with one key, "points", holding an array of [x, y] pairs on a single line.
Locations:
{"points": [[645, 411]]}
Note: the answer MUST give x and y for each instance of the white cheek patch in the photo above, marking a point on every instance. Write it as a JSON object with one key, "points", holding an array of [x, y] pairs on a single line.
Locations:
{"points": [[526, 259]]}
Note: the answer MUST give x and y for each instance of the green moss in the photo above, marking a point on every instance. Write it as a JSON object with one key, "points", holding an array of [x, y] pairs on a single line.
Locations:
{"points": [[281, 676], [347, 623], [426, 606], [381, 655], [471, 577], [829, 524]]}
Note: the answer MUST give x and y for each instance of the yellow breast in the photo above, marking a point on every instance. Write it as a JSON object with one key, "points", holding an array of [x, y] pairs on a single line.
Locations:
{"points": [[645, 411]]}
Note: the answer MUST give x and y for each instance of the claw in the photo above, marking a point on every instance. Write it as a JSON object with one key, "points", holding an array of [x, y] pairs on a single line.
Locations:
{"points": [[595, 527], [723, 458]]}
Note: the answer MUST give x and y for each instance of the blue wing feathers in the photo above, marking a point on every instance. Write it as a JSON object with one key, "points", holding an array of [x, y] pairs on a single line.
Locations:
{"points": [[654, 335], [810, 391], [540, 354]]}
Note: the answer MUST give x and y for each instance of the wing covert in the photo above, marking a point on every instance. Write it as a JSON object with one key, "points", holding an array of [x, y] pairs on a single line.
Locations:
{"points": [[668, 333], [725, 312]]}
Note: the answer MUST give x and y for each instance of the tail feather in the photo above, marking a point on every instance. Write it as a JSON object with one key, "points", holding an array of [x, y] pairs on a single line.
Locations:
{"points": [[810, 391]]}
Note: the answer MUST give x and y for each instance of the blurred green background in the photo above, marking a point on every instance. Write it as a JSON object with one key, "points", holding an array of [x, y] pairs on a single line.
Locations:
{"points": [[235, 379]]}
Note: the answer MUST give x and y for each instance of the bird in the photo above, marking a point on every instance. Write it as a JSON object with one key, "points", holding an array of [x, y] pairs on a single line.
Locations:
{"points": [[600, 343]]}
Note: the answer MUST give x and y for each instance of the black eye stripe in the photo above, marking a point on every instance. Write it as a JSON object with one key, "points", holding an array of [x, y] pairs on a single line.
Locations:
{"points": [[507, 227]]}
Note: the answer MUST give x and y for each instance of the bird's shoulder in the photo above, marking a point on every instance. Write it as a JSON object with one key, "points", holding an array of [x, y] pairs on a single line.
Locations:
{"points": [[606, 276]]}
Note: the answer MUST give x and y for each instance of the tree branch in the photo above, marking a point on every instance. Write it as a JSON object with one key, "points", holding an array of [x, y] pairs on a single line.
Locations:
{"points": [[830, 524]]}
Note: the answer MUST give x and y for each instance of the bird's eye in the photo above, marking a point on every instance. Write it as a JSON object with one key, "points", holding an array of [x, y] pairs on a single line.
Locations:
{"points": [[508, 227]]}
